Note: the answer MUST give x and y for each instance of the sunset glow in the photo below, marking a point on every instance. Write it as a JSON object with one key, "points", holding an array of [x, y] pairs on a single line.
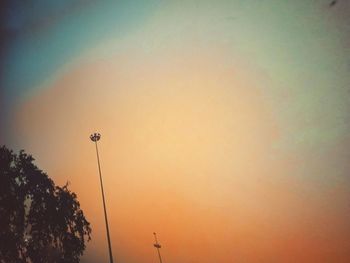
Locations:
{"points": [[225, 125]]}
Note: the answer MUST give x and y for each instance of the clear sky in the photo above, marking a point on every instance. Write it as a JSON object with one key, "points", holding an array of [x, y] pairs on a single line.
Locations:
{"points": [[225, 124]]}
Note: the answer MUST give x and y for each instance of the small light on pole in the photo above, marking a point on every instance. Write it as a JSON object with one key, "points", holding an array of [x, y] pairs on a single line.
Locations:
{"points": [[157, 246], [96, 137]]}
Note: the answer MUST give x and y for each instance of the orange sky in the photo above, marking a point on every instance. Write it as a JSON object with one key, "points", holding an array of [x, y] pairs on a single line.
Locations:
{"points": [[225, 124], [189, 150]]}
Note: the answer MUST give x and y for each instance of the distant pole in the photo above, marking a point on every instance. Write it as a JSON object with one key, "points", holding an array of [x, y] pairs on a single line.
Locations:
{"points": [[157, 246], [95, 137]]}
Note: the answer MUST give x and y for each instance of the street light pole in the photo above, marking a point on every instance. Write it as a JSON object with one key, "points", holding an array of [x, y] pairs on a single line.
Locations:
{"points": [[95, 137], [157, 246]]}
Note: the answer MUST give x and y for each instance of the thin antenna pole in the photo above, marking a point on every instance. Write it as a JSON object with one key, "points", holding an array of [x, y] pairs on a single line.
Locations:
{"points": [[95, 137], [158, 246]]}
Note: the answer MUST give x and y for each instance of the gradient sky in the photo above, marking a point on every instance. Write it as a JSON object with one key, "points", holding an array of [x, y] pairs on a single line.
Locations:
{"points": [[225, 124]]}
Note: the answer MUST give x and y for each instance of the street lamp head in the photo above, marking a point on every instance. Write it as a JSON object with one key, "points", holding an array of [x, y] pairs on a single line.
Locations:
{"points": [[95, 137]]}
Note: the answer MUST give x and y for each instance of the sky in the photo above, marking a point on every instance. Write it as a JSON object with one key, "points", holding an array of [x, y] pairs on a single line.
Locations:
{"points": [[225, 124]]}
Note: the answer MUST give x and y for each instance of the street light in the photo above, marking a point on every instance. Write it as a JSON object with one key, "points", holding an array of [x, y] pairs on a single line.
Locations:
{"points": [[95, 137], [157, 246]]}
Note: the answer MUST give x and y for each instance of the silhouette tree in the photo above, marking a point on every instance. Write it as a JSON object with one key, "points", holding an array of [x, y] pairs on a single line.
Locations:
{"points": [[39, 221]]}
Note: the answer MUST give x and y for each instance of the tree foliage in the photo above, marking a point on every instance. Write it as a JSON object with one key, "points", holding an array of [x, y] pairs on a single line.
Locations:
{"points": [[39, 221]]}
